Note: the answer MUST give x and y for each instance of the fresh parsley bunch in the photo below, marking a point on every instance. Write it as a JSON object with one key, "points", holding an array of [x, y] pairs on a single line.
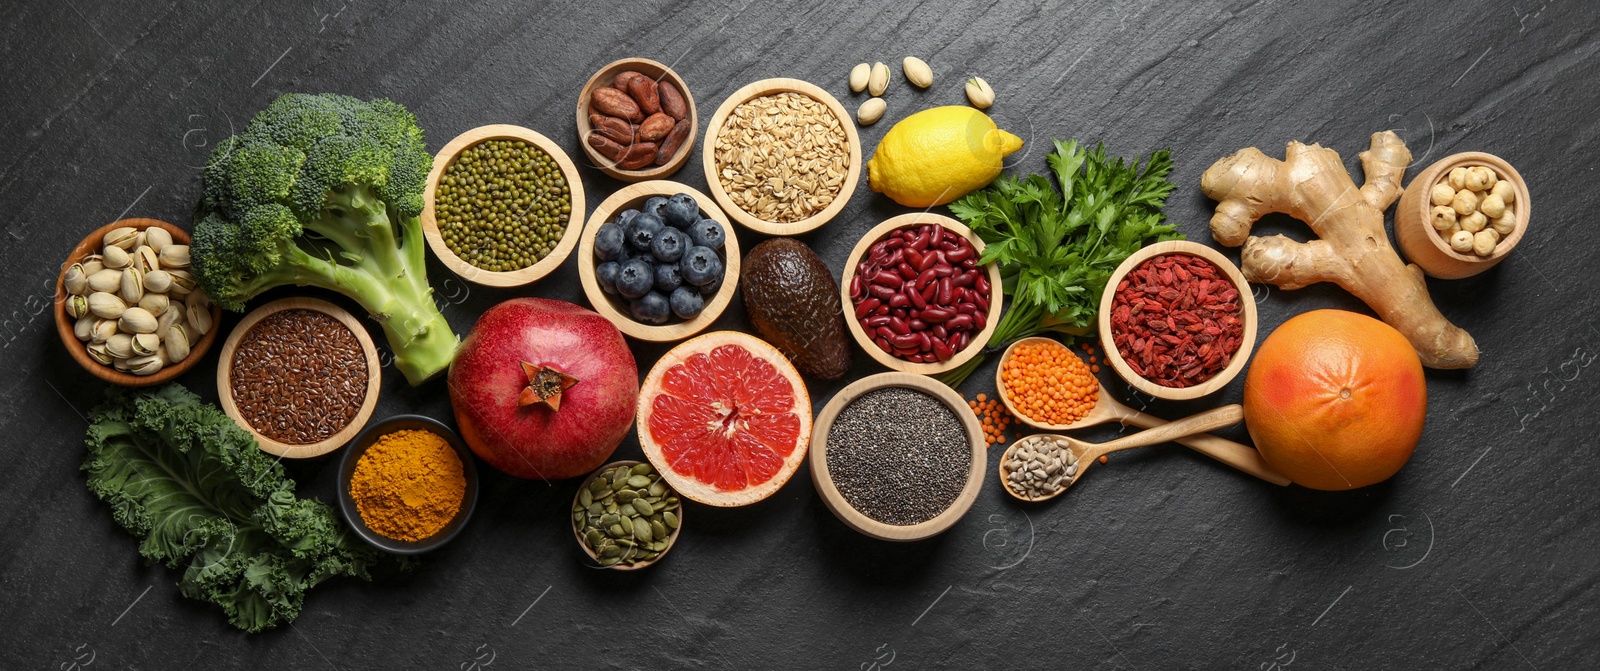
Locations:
{"points": [[1057, 247]]}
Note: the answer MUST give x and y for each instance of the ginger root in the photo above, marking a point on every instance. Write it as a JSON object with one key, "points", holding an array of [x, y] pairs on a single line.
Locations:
{"points": [[1353, 249]]}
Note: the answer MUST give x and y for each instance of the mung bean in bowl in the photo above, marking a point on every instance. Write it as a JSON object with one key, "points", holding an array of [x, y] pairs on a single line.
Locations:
{"points": [[299, 374], [781, 156], [625, 516], [503, 206], [898, 456]]}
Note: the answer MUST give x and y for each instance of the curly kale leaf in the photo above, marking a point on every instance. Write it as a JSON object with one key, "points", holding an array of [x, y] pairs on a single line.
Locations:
{"points": [[194, 488]]}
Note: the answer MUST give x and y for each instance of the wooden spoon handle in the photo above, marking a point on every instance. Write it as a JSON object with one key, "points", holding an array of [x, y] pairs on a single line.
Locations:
{"points": [[1242, 457], [1227, 415]]}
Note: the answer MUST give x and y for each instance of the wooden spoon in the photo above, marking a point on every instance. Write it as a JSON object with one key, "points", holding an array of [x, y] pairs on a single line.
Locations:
{"points": [[1108, 409], [1088, 453]]}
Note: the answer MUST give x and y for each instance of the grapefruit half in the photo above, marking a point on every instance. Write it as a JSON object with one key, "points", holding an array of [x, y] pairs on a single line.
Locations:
{"points": [[725, 418]]}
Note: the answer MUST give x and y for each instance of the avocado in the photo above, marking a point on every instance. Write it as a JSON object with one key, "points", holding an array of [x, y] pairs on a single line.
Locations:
{"points": [[793, 301]]}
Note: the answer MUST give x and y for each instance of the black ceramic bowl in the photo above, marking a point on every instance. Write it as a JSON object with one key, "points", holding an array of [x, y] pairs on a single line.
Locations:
{"points": [[347, 468]]}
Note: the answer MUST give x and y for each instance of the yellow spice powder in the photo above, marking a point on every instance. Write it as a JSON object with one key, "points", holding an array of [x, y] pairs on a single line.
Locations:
{"points": [[408, 485]]}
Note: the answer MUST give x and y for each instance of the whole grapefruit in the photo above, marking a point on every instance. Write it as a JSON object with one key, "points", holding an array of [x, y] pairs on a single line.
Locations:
{"points": [[1335, 400]]}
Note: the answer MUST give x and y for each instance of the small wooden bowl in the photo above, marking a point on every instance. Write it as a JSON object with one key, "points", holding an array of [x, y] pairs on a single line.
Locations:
{"points": [[981, 340], [326, 445], [594, 559], [655, 71], [853, 518], [708, 156], [1422, 244], [75, 347], [1105, 408], [613, 308], [511, 278], [347, 469], [1247, 316]]}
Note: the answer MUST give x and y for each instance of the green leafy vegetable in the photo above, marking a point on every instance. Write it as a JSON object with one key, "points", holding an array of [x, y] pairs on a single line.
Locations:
{"points": [[181, 476], [1057, 247]]}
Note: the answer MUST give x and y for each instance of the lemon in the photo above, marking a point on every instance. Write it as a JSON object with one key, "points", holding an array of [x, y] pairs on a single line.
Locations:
{"points": [[938, 155]]}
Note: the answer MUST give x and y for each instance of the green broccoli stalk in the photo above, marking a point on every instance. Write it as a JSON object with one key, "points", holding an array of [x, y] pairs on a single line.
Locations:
{"points": [[325, 190]]}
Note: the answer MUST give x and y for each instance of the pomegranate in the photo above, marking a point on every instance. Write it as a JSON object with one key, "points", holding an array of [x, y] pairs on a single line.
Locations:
{"points": [[543, 388]]}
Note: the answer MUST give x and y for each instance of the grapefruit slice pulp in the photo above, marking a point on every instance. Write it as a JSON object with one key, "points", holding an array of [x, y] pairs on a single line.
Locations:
{"points": [[725, 418]]}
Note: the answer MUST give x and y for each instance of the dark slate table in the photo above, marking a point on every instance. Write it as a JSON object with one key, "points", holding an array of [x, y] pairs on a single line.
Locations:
{"points": [[1480, 554]]}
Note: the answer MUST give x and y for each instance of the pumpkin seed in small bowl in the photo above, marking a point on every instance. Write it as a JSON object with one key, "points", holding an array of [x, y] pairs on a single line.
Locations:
{"points": [[625, 516]]}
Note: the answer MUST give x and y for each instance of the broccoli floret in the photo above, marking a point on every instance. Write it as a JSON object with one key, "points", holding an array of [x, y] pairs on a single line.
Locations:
{"points": [[325, 190]]}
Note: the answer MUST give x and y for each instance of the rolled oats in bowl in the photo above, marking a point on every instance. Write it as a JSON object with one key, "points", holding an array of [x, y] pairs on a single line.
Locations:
{"points": [[782, 157]]}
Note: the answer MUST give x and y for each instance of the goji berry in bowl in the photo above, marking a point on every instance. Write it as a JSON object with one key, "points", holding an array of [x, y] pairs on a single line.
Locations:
{"points": [[914, 296], [1177, 320]]}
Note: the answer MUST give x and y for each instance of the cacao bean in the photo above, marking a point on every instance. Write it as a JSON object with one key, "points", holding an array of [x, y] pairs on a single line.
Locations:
{"points": [[672, 101], [606, 146], [611, 102], [618, 130], [639, 155], [675, 139], [643, 90], [655, 127], [620, 81]]}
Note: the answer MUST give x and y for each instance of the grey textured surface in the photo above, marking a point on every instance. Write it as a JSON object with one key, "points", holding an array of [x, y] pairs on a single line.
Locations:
{"points": [[1480, 554]]}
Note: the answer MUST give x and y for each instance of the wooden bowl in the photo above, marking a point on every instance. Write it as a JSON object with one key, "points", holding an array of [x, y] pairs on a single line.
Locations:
{"points": [[614, 308], [708, 156], [326, 445], [1247, 316], [511, 278], [841, 508], [1422, 244], [90, 245], [594, 559], [655, 71], [347, 469], [981, 340]]}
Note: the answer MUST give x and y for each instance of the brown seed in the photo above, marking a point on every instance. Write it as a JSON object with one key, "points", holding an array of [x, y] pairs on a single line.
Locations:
{"points": [[655, 127], [672, 101], [606, 146], [637, 156], [611, 102], [643, 90], [618, 130], [675, 139]]}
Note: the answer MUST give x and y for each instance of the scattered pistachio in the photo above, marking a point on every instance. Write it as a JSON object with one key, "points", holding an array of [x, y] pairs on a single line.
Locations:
{"points": [[149, 364], [146, 343], [177, 343], [116, 257], [871, 111], [120, 345], [103, 329], [157, 237], [158, 281], [132, 286], [76, 281], [979, 93], [155, 303], [137, 320], [83, 328], [917, 72], [106, 305], [199, 319], [145, 259], [121, 238], [97, 351], [878, 81], [174, 256], [858, 77], [108, 280], [77, 306]]}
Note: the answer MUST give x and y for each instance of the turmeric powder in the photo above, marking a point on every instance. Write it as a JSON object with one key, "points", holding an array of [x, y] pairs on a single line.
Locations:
{"points": [[408, 485]]}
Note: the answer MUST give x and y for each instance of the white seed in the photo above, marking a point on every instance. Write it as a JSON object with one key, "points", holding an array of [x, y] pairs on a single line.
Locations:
{"points": [[1492, 206], [1505, 223], [1442, 194], [858, 77], [1461, 241], [979, 93], [871, 111], [1458, 178], [1506, 192], [917, 72], [878, 81], [1444, 217], [1474, 222], [1479, 178], [1483, 242], [1465, 202]]}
